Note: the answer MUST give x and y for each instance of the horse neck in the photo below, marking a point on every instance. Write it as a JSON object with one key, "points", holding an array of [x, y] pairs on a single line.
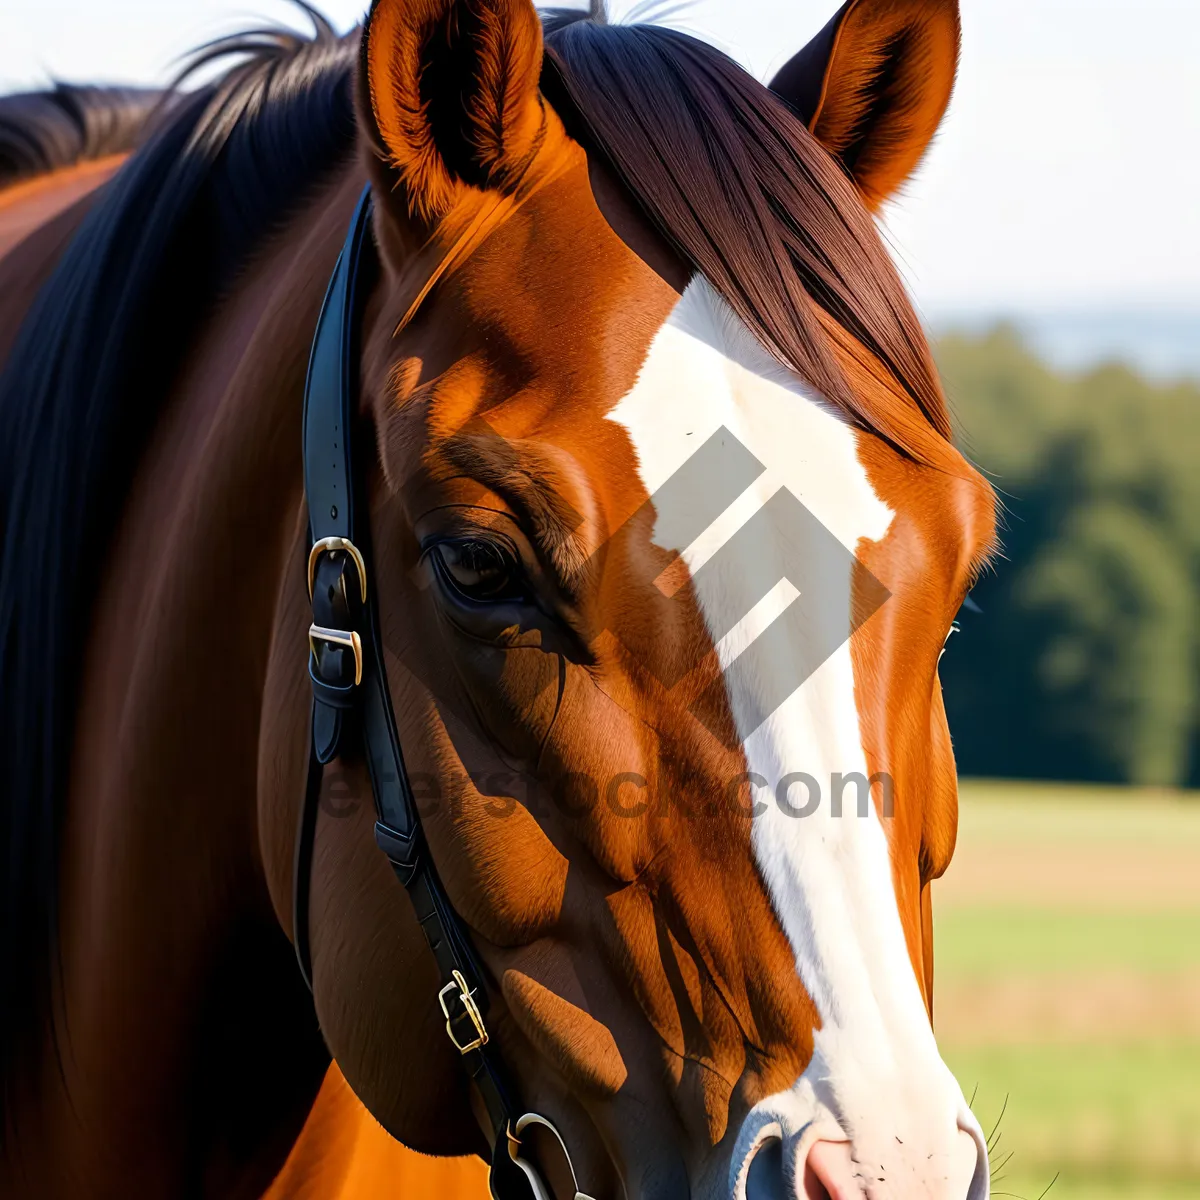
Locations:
{"points": [[163, 867]]}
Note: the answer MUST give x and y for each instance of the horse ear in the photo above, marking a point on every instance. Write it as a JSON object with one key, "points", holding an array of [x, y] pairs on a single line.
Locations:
{"points": [[453, 89], [873, 86]]}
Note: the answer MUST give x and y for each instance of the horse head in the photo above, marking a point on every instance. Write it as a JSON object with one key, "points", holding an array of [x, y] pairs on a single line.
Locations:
{"points": [[668, 533]]}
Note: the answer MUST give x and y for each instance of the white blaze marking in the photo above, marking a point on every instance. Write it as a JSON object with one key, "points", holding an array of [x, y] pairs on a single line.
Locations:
{"points": [[876, 1075]]}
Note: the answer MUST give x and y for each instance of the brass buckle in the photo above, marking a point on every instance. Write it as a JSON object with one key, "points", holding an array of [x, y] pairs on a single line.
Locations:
{"points": [[336, 543], [466, 996], [338, 637]]}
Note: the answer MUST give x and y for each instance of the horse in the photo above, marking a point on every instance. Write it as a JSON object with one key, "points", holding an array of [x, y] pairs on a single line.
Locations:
{"points": [[667, 533]]}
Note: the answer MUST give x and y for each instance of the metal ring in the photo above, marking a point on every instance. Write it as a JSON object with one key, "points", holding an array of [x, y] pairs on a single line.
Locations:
{"points": [[541, 1192]]}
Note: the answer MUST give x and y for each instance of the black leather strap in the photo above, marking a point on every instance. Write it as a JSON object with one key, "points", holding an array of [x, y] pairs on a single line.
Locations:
{"points": [[330, 391], [350, 692], [302, 868]]}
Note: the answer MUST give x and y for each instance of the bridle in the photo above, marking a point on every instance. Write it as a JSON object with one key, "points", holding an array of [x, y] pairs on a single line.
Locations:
{"points": [[351, 704]]}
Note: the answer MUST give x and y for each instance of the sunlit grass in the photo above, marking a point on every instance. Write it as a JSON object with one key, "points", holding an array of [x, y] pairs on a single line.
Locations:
{"points": [[1087, 1185], [1117, 1114], [1074, 814], [979, 941], [1132, 1110]]}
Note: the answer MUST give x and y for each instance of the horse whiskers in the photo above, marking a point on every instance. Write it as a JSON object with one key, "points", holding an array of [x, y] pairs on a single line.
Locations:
{"points": [[999, 1166], [992, 1138], [1040, 1196]]}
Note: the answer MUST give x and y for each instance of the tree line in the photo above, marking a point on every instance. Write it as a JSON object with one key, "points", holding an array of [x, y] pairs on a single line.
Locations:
{"points": [[1083, 661]]}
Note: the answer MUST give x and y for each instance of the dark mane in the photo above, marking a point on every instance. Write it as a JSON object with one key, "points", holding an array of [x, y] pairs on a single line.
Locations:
{"points": [[736, 182], [45, 131], [94, 359]]}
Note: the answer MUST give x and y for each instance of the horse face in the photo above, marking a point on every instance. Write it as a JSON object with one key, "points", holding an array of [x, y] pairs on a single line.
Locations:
{"points": [[662, 630]]}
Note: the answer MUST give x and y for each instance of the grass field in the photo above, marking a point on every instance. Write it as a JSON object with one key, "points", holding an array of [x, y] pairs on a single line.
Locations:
{"points": [[1068, 986]]}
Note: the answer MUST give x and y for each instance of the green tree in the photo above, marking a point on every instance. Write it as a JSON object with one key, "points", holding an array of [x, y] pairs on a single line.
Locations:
{"points": [[1118, 666], [1085, 662]]}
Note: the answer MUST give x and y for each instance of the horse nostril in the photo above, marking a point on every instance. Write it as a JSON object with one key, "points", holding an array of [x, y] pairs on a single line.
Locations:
{"points": [[764, 1180], [829, 1173]]}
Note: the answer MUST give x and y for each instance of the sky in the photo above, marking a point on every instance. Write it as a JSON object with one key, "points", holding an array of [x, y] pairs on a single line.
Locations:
{"points": [[1066, 175]]}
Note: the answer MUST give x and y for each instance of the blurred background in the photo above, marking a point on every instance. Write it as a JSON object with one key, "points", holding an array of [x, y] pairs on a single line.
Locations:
{"points": [[1051, 242]]}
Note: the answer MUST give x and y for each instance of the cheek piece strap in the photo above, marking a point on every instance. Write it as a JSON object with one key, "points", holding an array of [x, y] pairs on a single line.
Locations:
{"points": [[352, 708]]}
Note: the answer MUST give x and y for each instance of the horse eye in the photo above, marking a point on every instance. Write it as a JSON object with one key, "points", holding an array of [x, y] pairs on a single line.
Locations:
{"points": [[479, 570]]}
